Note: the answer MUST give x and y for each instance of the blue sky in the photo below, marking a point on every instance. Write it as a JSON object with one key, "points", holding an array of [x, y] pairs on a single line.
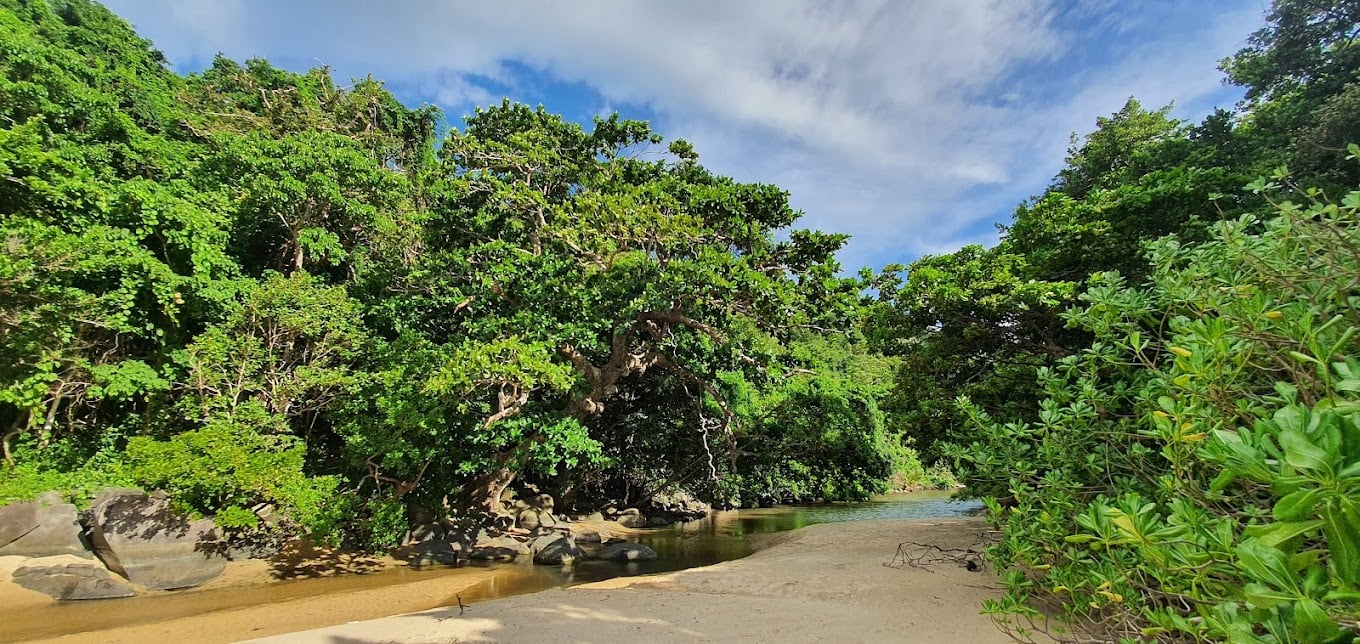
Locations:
{"points": [[914, 126]]}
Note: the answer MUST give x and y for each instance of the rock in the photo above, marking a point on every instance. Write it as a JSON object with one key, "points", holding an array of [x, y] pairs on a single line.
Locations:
{"points": [[631, 518], [595, 516], [72, 581], [533, 519], [106, 494], [267, 539], [17, 520], [541, 501], [658, 522], [498, 549], [426, 532], [43, 527], [677, 506], [585, 535], [437, 553], [141, 538], [492, 553], [626, 552], [555, 550]]}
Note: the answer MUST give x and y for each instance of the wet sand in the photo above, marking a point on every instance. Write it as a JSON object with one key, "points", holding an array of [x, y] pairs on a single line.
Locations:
{"points": [[823, 583]]}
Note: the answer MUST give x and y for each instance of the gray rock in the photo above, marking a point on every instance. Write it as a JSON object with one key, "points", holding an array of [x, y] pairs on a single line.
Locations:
{"points": [[43, 527], [555, 550], [492, 553], [437, 553], [595, 516], [17, 520], [426, 532], [533, 519], [501, 548], [586, 535], [106, 494], [626, 552], [631, 518], [140, 537], [541, 502], [677, 506], [658, 522], [73, 581]]}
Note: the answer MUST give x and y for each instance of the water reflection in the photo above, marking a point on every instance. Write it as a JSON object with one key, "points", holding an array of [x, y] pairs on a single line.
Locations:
{"points": [[723, 536]]}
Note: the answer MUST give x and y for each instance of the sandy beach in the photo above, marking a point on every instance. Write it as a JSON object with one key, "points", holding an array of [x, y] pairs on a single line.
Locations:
{"points": [[826, 582]]}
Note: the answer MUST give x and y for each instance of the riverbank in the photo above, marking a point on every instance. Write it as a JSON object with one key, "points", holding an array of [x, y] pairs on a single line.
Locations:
{"points": [[825, 582]]}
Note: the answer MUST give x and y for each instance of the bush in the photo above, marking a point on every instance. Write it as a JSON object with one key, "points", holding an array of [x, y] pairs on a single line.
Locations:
{"points": [[227, 467], [1195, 473]]}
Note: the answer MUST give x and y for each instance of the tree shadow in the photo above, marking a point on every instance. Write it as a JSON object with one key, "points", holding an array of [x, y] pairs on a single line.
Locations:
{"points": [[303, 559]]}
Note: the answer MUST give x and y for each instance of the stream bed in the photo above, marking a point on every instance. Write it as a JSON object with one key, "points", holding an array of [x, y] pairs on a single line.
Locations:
{"points": [[723, 536]]}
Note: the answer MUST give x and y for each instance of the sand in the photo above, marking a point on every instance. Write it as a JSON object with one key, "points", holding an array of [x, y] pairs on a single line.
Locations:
{"points": [[823, 583]]}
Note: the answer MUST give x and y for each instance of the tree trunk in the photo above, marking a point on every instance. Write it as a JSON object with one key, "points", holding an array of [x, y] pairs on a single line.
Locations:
{"points": [[483, 493]]}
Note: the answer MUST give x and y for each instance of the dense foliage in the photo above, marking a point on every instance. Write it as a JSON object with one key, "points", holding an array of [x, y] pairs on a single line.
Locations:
{"points": [[1150, 380], [255, 288]]}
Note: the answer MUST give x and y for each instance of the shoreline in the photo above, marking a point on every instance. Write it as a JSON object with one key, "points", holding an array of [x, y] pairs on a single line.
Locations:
{"points": [[822, 582]]}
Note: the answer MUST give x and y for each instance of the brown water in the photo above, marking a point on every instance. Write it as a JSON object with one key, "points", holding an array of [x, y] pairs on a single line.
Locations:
{"points": [[721, 537]]}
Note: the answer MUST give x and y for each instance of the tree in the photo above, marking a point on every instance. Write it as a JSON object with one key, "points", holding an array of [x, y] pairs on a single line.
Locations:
{"points": [[1306, 45]]}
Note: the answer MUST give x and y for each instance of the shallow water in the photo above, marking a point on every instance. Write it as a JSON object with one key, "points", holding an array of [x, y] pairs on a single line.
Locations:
{"points": [[721, 537]]}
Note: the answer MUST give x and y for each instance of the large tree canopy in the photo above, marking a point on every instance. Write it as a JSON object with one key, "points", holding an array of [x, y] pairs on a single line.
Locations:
{"points": [[289, 291]]}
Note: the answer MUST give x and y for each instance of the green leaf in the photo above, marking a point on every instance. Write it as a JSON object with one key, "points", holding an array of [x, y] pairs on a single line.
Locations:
{"points": [[1303, 357], [1341, 516], [1297, 506], [1266, 564], [1347, 384], [1302, 453], [1312, 625], [1273, 534], [1262, 596]]}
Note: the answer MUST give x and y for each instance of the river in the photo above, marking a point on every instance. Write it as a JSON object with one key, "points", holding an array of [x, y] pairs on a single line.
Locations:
{"points": [[721, 537]]}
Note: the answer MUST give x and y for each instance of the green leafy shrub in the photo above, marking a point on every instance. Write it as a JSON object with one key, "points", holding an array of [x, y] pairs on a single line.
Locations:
{"points": [[27, 480], [1195, 473], [228, 466]]}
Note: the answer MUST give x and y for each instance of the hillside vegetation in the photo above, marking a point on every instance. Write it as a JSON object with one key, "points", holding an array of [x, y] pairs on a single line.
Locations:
{"points": [[1152, 379]]}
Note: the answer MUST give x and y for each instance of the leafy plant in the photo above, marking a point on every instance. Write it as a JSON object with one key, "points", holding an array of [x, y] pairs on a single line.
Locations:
{"points": [[1195, 471]]}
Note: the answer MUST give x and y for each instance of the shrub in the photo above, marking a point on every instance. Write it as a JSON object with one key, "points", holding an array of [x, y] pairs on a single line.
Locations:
{"points": [[1195, 473], [228, 466]]}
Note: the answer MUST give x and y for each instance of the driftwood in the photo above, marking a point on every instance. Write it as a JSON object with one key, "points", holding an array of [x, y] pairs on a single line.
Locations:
{"points": [[925, 556]]}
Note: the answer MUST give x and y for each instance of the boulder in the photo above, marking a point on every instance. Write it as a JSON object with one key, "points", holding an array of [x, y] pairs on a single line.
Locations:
{"points": [[626, 552], [534, 519], [595, 516], [501, 548], [274, 532], [492, 553], [437, 552], [426, 532], [677, 506], [17, 520], [631, 518], [541, 502], [585, 535], [72, 581], [658, 521], [44, 527], [142, 538], [555, 550]]}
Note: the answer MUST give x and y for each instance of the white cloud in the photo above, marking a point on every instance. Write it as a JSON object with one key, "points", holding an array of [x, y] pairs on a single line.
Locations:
{"points": [[905, 124]]}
